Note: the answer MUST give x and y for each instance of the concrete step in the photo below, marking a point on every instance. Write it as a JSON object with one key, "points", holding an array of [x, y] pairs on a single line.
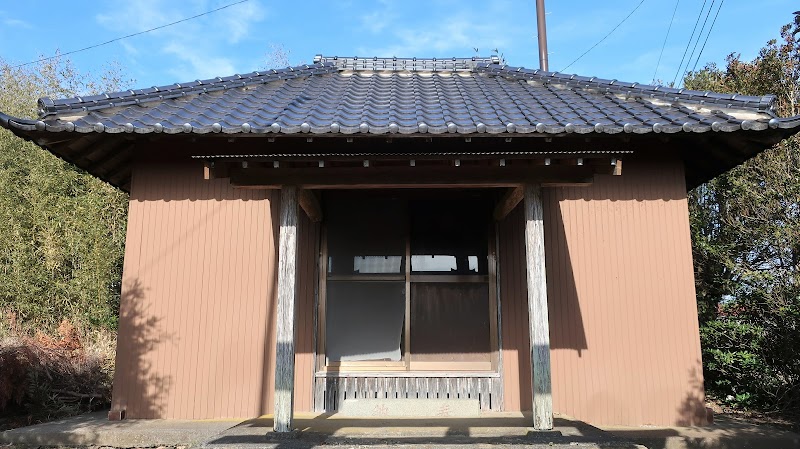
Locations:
{"points": [[410, 408]]}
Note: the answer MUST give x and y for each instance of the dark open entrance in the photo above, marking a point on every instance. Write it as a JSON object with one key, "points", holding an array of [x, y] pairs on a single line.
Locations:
{"points": [[407, 280], [408, 291]]}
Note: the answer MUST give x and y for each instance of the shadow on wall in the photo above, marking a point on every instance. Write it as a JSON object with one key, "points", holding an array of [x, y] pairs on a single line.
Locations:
{"points": [[138, 389], [574, 241], [183, 180], [642, 180], [566, 319], [692, 411], [267, 385]]}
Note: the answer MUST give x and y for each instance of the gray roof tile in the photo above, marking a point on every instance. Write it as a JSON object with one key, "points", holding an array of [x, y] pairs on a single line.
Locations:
{"points": [[351, 97], [405, 96]]}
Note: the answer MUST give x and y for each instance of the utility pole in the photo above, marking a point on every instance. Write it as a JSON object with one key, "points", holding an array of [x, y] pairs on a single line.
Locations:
{"points": [[542, 29]]}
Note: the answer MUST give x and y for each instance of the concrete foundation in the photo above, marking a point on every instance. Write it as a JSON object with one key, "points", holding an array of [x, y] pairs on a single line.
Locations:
{"points": [[410, 408]]}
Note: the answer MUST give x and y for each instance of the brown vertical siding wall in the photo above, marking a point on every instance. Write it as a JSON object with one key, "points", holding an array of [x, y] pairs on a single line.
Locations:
{"points": [[307, 258], [623, 317], [197, 318]]}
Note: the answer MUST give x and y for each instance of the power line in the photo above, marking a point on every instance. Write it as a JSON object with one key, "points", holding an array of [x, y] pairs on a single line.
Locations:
{"points": [[669, 28], [699, 15], [691, 55], [604, 37], [131, 35], [709, 34]]}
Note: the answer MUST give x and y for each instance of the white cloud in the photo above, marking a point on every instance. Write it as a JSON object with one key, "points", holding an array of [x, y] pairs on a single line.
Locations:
{"points": [[376, 20], [194, 65], [17, 23], [13, 22], [197, 48], [446, 28], [237, 21], [457, 35]]}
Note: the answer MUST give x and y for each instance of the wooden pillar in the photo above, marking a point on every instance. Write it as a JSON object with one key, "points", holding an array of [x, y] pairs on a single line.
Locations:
{"points": [[538, 316], [287, 288]]}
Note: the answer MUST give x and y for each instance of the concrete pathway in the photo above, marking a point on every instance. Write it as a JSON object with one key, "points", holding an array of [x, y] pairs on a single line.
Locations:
{"points": [[94, 429], [504, 430]]}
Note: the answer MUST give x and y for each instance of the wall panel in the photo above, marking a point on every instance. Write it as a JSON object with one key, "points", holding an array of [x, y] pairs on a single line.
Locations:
{"points": [[197, 315], [623, 319]]}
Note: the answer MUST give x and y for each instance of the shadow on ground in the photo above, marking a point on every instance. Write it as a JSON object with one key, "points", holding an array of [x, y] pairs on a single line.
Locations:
{"points": [[725, 433], [330, 430], [500, 430]]}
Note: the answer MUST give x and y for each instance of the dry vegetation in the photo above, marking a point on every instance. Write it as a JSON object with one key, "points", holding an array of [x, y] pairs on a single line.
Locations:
{"points": [[46, 377]]}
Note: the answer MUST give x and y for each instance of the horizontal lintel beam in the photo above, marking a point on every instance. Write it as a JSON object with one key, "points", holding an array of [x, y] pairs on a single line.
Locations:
{"points": [[414, 177]]}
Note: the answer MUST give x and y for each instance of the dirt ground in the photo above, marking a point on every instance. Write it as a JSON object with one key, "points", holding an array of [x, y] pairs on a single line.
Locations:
{"points": [[782, 421]]}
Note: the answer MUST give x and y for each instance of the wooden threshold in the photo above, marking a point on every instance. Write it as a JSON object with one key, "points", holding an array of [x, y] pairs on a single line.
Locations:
{"points": [[450, 278], [448, 374], [367, 277], [450, 366]]}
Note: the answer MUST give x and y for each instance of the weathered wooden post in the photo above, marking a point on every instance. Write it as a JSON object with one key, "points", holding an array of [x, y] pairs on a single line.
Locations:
{"points": [[287, 288], [538, 316]]}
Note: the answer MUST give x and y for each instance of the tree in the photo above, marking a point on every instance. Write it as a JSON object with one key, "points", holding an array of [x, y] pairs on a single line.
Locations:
{"points": [[62, 231], [277, 57], [746, 245]]}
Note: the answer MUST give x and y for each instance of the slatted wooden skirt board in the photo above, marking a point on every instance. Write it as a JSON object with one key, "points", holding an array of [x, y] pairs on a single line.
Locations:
{"points": [[329, 392]]}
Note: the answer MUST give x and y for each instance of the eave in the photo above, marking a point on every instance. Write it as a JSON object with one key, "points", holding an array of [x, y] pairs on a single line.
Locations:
{"points": [[348, 105]]}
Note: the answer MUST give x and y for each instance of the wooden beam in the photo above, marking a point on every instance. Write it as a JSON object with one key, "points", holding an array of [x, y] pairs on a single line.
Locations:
{"points": [[287, 289], [417, 155], [112, 162], [538, 316], [310, 204], [122, 167], [415, 177], [97, 154], [617, 167], [509, 201]]}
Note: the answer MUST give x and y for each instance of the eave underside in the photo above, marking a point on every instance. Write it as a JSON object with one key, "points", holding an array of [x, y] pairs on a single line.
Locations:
{"points": [[110, 157]]}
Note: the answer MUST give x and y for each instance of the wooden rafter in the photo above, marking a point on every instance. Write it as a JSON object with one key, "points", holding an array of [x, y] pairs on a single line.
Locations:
{"points": [[310, 204], [509, 201]]}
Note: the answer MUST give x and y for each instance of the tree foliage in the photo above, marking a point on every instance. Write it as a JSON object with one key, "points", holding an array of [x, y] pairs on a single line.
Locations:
{"points": [[62, 231], [746, 243]]}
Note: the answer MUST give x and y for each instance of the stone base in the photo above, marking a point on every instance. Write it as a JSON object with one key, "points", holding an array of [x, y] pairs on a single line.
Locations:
{"points": [[116, 415], [410, 408], [290, 435], [544, 434]]}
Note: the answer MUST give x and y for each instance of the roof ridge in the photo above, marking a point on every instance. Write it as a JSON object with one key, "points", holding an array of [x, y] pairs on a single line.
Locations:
{"points": [[330, 64], [394, 63], [48, 106], [764, 103]]}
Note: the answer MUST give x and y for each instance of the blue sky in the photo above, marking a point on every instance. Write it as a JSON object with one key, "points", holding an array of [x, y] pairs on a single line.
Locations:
{"points": [[238, 39]]}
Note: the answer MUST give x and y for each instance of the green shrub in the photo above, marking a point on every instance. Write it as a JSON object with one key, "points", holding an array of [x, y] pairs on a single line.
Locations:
{"points": [[62, 231]]}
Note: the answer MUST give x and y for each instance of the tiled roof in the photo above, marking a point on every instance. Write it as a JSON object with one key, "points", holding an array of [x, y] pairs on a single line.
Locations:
{"points": [[368, 97], [406, 96]]}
